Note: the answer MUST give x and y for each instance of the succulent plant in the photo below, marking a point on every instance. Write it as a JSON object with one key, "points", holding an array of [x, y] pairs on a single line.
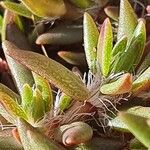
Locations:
{"points": [[55, 108]]}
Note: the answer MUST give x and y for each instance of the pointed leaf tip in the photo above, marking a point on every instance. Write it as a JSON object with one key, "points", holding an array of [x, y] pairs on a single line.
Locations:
{"points": [[104, 47], [51, 70]]}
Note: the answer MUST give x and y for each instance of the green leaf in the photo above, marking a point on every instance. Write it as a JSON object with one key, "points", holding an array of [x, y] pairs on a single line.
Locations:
{"points": [[142, 83], [27, 98], [20, 74], [64, 102], [104, 48], [73, 58], [11, 107], [1, 23], [117, 124], [120, 46], [32, 139], [17, 8], [38, 105], [120, 86], [9, 92], [145, 64], [44, 8], [45, 89], [130, 58], [136, 145], [91, 34], [62, 35], [82, 4], [51, 70], [127, 20], [138, 126]]}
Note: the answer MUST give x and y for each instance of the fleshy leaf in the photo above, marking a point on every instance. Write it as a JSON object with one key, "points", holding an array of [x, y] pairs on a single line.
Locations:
{"points": [[8, 142], [142, 83], [135, 144], [44, 8], [127, 20], [117, 124], [61, 35], [104, 48], [82, 4], [120, 46], [27, 98], [17, 8], [73, 57], [120, 86], [38, 105], [56, 73], [138, 126], [10, 31], [64, 102], [32, 139], [112, 12], [130, 58], [74, 133], [91, 34], [11, 106], [9, 92], [45, 89]]}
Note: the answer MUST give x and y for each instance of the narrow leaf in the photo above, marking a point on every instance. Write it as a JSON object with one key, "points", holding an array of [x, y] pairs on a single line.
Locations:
{"points": [[120, 46], [10, 32], [38, 105], [27, 98], [118, 124], [104, 48], [112, 12], [127, 20], [11, 106], [56, 73], [82, 4], [9, 92], [120, 86], [138, 126], [45, 89], [8, 142], [142, 83], [64, 102], [32, 139], [17, 8], [44, 8], [90, 41], [130, 58], [62, 35], [73, 58]]}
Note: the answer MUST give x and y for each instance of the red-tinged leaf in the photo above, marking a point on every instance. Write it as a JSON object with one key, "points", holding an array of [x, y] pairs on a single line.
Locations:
{"points": [[32, 139], [112, 12], [104, 48], [51, 70], [11, 107], [73, 58], [142, 83], [120, 86]]}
